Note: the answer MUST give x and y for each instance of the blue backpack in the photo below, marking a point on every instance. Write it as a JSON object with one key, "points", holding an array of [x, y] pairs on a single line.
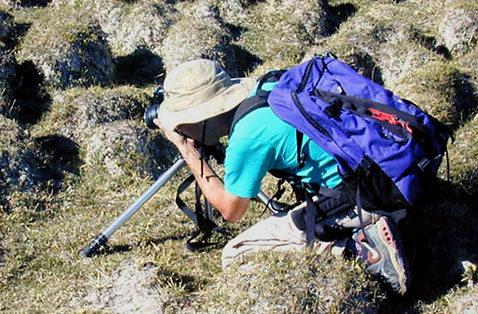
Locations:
{"points": [[386, 148]]}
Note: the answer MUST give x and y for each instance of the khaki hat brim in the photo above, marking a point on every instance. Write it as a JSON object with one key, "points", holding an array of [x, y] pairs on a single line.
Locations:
{"points": [[223, 102]]}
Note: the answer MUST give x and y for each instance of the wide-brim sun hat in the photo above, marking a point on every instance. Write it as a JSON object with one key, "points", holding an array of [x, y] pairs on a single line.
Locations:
{"points": [[198, 90]]}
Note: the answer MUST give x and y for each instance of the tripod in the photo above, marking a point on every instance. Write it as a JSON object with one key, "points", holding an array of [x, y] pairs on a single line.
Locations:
{"points": [[205, 222]]}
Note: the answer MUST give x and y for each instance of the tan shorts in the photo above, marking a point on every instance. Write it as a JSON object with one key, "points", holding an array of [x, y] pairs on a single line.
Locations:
{"points": [[277, 232]]}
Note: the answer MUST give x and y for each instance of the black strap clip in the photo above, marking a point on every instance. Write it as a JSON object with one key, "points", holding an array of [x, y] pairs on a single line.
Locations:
{"points": [[423, 164]]}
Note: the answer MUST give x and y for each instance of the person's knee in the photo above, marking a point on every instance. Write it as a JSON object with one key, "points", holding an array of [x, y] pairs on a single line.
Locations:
{"points": [[227, 255]]}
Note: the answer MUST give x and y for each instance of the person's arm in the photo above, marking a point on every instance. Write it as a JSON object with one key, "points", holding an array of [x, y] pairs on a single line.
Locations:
{"points": [[231, 207]]}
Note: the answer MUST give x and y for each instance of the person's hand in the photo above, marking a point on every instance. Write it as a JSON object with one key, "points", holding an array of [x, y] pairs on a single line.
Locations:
{"points": [[176, 138]]}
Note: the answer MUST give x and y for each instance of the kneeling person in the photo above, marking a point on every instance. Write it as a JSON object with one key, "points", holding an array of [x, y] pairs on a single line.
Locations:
{"points": [[199, 106]]}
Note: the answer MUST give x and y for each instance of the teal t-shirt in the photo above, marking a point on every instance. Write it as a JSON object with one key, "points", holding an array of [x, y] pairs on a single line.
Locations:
{"points": [[261, 141]]}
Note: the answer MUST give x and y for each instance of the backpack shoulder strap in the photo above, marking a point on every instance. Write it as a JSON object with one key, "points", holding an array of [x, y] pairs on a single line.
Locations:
{"points": [[258, 100]]}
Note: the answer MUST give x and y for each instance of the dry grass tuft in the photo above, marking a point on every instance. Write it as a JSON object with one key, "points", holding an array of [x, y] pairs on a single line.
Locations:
{"points": [[199, 33], [132, 24], [464, 156], [71, 167], [441, 90], [295, 282], [68, 45], [458, 28]]}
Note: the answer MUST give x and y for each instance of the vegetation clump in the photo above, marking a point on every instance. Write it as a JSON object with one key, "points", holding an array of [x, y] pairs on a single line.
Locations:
{"points": [[77, 110], [199, 33], [7, 80], [385, 48], [72, 51], [468, 65], [464, 157], [9, 147], [292, 283], [125, 148], [458, 28], [281, 29], [25, 170], [441, 90], [132, 24]]}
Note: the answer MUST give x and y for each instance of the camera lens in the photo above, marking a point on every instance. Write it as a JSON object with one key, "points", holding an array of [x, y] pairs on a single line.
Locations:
{"points": [[150, 114]]}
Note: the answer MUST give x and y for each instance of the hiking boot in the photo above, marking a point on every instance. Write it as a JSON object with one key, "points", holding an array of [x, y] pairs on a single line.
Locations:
{"points": [[382, 253]]}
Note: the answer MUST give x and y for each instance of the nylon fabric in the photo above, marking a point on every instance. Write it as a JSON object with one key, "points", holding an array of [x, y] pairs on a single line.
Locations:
{"points": [[350, 137]]}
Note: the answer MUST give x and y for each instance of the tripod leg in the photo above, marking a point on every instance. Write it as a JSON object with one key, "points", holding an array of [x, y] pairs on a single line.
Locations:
{"points": [[103, 236]]}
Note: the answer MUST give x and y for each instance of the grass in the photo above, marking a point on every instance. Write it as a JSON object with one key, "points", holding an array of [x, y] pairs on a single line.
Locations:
{"points": [[57, 205], [292, 283], [441, 90], [68, 45], [199, 33]]}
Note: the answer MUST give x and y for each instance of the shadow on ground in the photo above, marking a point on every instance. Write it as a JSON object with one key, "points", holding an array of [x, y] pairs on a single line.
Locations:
{"points": [[140, 68], [31, 98], [56, 155], [437, 238], [33, 3]]}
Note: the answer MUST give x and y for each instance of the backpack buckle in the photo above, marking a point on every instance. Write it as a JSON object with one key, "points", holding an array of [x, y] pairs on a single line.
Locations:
{"points": [[423, 164]]}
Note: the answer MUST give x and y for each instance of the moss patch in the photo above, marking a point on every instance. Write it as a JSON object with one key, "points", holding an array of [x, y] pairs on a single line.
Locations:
{"points": [[441, 90], [70, 52], [292, 283], [132, 24], [200, 33], [464, 156]]}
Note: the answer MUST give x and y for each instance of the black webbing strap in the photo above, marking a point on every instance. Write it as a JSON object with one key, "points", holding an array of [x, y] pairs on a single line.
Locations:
{"points": [[310, 216], [257, 101], [305, 77], [181, 204], [361, 107], [299, 136], [200, 238], [364, 108]]}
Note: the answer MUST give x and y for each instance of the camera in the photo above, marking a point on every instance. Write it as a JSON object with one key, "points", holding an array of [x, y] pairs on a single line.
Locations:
{"points": [[152, 111]]}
